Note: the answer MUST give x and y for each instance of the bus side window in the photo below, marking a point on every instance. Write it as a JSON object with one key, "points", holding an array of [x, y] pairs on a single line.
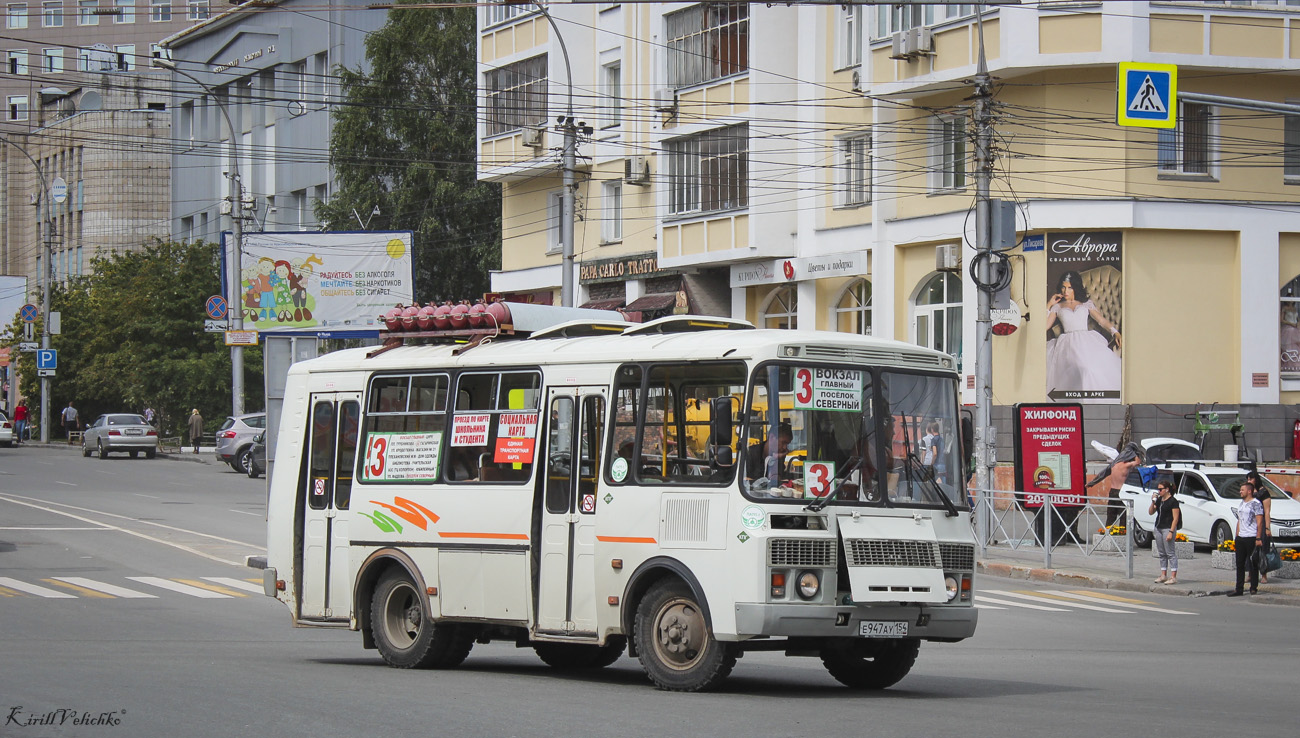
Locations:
{"points": [[622, 441]]}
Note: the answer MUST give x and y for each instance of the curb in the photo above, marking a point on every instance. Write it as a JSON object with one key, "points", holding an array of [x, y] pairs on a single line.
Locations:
{"points": [[1074, 579]]}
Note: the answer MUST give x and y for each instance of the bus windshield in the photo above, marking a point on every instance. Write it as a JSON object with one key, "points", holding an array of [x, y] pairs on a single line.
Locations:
{"points": [[880, 438]]}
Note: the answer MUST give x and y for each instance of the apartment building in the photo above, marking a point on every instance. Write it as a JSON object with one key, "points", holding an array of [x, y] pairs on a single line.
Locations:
{"points": [[269, 68], [812, 166]]}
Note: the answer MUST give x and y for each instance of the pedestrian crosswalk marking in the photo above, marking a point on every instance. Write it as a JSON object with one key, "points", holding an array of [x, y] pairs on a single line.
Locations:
{"points": [[1129, 603], [983, 598], [981, 606], [237, 583], [103, 589], [212, 587], [36, 589], [1111, 597], [1051, 601], [83, 591], [5, 591], [178, 587]]}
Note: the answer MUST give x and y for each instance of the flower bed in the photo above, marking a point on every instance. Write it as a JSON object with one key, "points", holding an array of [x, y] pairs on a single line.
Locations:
{"points": [[1224, 560], [1289, 570], [1184, 549], [1102, 543]]}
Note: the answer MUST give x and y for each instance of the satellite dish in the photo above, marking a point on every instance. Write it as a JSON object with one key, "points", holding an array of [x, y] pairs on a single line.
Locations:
{"points": [[101, 58], [91, 100]]}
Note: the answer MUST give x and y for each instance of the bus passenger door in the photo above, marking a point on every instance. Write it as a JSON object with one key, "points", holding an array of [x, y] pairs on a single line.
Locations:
{"points": [[575, 437], [324, 589]]}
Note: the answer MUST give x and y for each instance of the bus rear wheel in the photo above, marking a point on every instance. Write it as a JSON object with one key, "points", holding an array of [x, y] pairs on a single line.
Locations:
{"points": [[580, 655], [676, 645], [869, 663], [405, 635]]}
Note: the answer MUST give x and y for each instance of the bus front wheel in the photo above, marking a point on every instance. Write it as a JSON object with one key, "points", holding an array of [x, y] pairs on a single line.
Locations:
{"points": [[676, 646], [868, 663], [404, 634]]}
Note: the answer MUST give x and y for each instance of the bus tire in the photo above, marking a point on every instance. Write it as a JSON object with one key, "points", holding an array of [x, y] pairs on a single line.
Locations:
{"points": [[868, 663], [675, 644], [568, 656], [405, 635]]}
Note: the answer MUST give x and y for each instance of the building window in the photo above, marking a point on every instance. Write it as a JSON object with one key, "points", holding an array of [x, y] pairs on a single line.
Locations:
{"points": [[1291, 149], [198, 10], [125, 57], [895, 17], [17, 107], [52, 14], [611, 224], [848, 37], [1186, 149], [186, 133], [16, 18], [160, 11], [948, 153], [707, 42], [17, 62], [937, 315], [158, 52], [611, 89], [86, 12], [709, 171], [853, 183], [554, 212], [853, 311], [516, 95], [1289, 358], [781, 309], [498, 13], [53, 61], [125, 11]]}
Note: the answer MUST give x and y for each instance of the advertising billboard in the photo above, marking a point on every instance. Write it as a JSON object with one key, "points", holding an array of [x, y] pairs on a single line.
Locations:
{"points": [[1049, 454], [297, 282], [1084, 316]]}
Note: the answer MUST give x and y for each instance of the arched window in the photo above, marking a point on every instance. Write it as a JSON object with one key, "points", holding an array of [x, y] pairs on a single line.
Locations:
{"points": [[1289, 325], [936, 315], [853, 311], [781, 309]]}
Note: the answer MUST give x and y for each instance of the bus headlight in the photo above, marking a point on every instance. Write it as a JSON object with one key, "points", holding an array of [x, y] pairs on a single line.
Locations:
{"points": [[950, 586], [809, 584]]}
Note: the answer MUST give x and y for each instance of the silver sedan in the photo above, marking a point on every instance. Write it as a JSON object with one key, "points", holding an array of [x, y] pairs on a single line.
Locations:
{"points": [[120, 432]]}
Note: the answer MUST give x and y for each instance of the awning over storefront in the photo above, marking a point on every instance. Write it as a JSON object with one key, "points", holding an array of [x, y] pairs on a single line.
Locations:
{"points": [[603, 304], [654, 301]]}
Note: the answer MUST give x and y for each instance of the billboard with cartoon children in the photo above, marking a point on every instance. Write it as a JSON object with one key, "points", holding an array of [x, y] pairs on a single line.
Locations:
{"points": [[296, 281]]}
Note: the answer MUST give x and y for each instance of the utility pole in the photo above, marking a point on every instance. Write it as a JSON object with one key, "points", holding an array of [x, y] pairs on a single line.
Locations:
{"points": [[984, 450], [569, 162]]}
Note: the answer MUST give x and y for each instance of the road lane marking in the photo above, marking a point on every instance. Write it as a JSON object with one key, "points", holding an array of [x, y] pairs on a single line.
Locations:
{"points": [[178, 587], [1034, 597], [245, 512], [18, 499], [6, 592], [982, 598], [1132, 604], [979, 606], [110, 589], [36, 589], [236, 584], [211, 587], [152, 497], [83, 591], [41, 527], [70, 484]]}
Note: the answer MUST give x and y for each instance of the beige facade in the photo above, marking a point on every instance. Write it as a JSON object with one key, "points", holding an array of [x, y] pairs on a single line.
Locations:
{"points": [[1205, 214]]}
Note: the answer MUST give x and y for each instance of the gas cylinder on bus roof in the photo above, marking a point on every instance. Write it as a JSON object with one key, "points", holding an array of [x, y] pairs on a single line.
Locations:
{"points": [[497, 315], [440, 314], [425, 317], [478, 315], [408, 318], [459, 316], [393, 318]]}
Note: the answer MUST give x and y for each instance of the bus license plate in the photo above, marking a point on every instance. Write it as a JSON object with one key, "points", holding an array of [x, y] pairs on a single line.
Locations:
{"points": [[882, 628]]}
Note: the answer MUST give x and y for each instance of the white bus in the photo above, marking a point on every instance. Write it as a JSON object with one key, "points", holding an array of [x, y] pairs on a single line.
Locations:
{"points": [[683, 491]]}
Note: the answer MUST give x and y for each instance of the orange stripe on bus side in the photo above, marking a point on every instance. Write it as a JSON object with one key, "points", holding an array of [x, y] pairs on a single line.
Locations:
{"points": [[625, 539], [507, 536]]}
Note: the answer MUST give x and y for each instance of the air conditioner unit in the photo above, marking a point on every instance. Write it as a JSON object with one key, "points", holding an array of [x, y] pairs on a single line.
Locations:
{"points": [[666, 100], [636, 170], [534, 136], [896, 49], [857, 80], [947, 257], [224, 207], [920, 42]]}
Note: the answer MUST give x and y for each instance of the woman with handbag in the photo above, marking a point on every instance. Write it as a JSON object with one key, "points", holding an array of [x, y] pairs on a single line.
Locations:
{"points": [[1265, 500], [1250, 531]]}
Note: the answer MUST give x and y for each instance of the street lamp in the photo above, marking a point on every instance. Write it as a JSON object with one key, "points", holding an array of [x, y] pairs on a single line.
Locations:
{"points": [[237, 238], [43, 235]]}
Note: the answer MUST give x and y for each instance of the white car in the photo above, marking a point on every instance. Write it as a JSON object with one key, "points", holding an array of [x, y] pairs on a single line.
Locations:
{"points": [[6, 431], [1208, 495]]}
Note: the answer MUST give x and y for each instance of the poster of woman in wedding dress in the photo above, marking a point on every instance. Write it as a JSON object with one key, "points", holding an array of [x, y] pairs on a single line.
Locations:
{"points": [[1081, 363]]}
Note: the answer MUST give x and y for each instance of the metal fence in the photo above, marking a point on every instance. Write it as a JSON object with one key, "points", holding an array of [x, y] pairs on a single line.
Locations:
{"points": [[1004, 519]]}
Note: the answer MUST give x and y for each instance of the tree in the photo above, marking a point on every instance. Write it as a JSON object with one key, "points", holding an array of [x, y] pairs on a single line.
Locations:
{"points": [[132, 337], [404, 141]]}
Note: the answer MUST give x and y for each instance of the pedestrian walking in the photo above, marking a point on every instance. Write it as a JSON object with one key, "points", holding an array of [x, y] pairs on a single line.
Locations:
{"points": [[1169, 518], [148, 415], [70, 422], [1250, 525], [1266, 502], [196, 428], [20, 422]]}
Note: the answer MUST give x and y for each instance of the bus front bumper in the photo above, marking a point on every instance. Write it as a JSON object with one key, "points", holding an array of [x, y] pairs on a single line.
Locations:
{"points": [[814, 621]]}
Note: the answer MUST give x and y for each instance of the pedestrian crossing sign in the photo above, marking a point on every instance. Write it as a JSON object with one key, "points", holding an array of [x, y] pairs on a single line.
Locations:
{"points": [[1148, 95]]}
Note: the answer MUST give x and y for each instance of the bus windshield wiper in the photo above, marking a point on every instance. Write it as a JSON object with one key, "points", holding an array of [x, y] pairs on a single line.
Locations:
{"points": [[929, 480]]}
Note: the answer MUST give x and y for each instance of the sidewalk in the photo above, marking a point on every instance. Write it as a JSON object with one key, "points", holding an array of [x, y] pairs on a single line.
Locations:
{"points": [[206, 454], [1197, 577]]}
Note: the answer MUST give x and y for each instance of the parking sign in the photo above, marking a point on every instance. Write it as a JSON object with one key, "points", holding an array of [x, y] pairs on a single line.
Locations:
{"points": [[47, 359]]}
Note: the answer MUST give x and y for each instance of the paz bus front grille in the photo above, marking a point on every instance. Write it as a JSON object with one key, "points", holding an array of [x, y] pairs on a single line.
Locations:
{"points": [[957, 556], [801, 552], [866, 552]]}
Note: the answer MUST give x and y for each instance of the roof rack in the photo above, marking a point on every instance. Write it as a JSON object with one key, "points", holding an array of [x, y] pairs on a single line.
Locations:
{"points": [[689, 324], [483, 322], [581, 328]]}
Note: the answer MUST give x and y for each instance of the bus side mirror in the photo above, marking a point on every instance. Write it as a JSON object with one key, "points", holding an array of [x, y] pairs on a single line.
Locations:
{"points": [[967, 440], [721, 439]]}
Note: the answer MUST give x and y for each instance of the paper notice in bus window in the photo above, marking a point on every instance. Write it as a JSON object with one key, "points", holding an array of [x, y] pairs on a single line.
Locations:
{"points": [[514, 451], [517, 425], [402, 457], [836, 390], [470, 429]]}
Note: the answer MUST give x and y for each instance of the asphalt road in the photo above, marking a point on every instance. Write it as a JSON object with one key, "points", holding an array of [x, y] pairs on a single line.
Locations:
{"points": [[188, 647]]}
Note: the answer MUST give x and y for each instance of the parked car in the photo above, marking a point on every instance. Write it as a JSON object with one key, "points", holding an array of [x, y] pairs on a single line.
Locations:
{"points": [[235, 439], [6, 431], [1208, 494], [120, 432], [257, 456]]}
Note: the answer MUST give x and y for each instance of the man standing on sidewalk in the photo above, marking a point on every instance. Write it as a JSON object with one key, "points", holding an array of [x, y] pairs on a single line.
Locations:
{"points": [[196, 429], [70, 423]]}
